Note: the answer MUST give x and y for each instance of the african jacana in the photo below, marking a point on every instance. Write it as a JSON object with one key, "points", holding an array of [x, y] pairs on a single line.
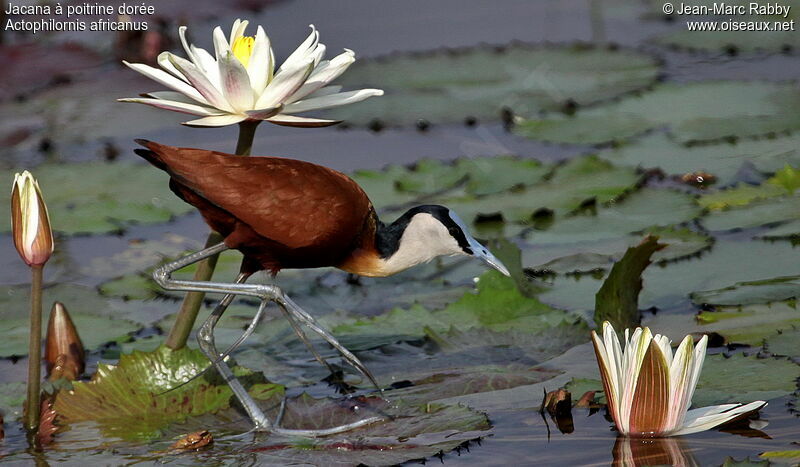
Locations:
{"points": [[285, 213]]}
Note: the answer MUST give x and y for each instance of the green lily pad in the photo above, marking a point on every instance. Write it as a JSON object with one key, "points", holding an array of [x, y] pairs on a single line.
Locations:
{"points": [[96, 319], [744, 379], [483, 175], [757, 213], [447, 86], [741, 41], [789, 456], [784, 343], [659, 150], [668, 286], [577, 183], [785, 182], [750, 324], [130, 400], [579, 387], [751, 292], [497, 305], [638, 211], [593, 256], [141, 255], [703, 111], [95, 197], [12, 397]]}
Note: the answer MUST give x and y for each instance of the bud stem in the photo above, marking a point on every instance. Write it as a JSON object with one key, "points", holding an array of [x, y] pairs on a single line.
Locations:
{"points": [[190, 306], [32, 408]]}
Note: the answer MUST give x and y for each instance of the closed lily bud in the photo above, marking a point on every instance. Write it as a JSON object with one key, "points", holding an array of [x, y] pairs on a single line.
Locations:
{"points": [[31, 223], [63, 349]]}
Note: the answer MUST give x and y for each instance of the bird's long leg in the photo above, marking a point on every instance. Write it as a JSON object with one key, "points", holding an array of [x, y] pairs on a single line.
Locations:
{"points": [[266, 293]]}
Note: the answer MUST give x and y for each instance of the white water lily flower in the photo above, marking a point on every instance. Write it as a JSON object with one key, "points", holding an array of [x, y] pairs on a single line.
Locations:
{"points": [[240, 83], [649, 391]]}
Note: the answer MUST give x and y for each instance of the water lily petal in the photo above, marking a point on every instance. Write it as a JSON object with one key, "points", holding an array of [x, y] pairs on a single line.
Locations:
{"points": [[326, 91], [216, 120], [186, 46], [607, 374], [167, 80], [260, 68], [163, 62], [285, 83], [680, 372], [333, 100], [263, 114], [183, 107], [235, 83], [208, 63], [324, 73], [301, 122], [715, 416], [318, 54], [237, 30], [201, 82], [303, 50], [221, 45], [650, 407], [634, 355]]}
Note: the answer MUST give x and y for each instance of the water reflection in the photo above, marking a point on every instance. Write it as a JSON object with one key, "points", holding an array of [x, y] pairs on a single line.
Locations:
{"points": [[634, 452]]}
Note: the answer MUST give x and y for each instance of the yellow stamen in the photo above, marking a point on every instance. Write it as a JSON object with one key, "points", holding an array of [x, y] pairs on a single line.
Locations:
{"points": [[242, 48]]}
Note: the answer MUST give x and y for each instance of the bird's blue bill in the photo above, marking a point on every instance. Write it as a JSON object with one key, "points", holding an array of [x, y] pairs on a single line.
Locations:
{"points": [[481, 252]]}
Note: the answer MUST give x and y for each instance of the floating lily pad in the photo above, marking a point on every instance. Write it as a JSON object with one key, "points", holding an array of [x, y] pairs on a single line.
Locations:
{"points": [[744, 379], [482, 175], [668, 287], [95, 197], [751, 292], [757, 213], [700, 111], [784, 343], [449, 85], [750, 324], [635, 212], [659, 150], [577, 183], [94, 317], [497, 305], [130, 400], [785, 182], [593, 256], [141, 255]]}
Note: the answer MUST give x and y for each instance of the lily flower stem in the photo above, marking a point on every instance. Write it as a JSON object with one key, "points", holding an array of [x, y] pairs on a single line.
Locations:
{"points": [[190, 306], [32, 407]]}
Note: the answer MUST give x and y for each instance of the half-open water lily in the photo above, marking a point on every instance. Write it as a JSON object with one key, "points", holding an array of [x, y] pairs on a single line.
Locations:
{"points": [[649, 390], [239, 82]]}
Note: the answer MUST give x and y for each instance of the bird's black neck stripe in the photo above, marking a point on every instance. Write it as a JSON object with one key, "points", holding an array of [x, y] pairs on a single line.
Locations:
{"points": [[387, 237]]}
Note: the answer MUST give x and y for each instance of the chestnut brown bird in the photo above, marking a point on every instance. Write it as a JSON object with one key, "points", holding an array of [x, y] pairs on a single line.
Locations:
{"points": [[284, 213]]}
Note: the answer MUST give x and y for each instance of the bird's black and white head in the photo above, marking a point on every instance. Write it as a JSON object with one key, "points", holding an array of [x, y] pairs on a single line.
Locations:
{"points": [[425, 232]]}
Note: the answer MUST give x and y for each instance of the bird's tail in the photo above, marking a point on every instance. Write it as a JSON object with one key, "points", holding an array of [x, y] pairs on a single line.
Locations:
{"points": [[152, 154]]}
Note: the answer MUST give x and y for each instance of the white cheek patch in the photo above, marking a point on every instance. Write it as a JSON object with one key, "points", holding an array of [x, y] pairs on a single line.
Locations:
{"points": [[424, 239]]}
